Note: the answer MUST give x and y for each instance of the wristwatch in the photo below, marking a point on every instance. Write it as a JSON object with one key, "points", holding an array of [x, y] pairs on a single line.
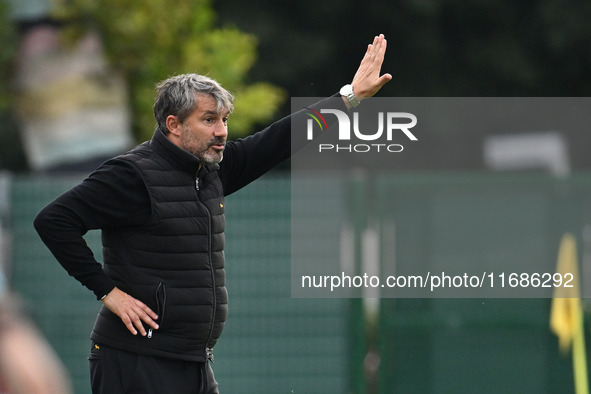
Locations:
{"points": [[347, 92]]}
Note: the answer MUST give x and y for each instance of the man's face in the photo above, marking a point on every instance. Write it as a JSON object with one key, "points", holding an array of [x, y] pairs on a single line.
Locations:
{"points": [[204, 131]]}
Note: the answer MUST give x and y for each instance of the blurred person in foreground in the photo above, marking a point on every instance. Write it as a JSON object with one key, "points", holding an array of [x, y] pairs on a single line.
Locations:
{"points": [[161, 211], [28, 364]]}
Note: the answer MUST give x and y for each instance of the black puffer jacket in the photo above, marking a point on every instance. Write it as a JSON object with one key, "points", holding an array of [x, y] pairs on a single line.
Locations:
{"points": [[175, 262]]}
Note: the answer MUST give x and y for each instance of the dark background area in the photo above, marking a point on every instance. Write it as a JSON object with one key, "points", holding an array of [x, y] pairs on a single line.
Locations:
{"points": [[436, 48], [445, 48]]}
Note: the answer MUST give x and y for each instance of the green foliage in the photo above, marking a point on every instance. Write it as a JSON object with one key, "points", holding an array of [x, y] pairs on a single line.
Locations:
{"points": [[7, 52], [151, 40], [11, 152]]}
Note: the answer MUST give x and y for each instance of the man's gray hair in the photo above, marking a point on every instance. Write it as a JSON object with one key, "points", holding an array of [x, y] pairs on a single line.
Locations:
{"points": [[176, 96]]}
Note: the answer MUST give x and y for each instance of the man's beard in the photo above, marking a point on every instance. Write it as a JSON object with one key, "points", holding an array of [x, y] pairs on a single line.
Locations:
{"points": [[201, 149]]}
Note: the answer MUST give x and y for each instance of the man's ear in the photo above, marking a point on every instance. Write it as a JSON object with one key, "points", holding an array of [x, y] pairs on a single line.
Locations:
{"points": [[174, 126]]}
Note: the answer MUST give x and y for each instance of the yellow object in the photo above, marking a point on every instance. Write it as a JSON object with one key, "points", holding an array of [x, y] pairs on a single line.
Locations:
{"points": [[566, 314]]}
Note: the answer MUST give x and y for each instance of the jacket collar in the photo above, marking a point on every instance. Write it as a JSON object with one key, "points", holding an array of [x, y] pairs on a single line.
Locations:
{"points": [[177, 156]]}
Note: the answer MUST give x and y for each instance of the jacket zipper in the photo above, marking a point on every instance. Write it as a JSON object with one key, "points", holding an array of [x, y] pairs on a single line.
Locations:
{"points": [[208, 351], [160, 305]]}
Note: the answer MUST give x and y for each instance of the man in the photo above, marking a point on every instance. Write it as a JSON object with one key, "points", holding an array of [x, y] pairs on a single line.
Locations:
{"points": [[161, 211]]}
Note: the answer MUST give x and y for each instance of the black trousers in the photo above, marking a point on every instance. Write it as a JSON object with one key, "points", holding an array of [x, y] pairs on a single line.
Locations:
{"points": [[114, 371]]}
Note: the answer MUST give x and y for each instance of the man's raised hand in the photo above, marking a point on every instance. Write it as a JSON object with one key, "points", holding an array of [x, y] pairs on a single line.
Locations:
{"points": [[367, 80]]}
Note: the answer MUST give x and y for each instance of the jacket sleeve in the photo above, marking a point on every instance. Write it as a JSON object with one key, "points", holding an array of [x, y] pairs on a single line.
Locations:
{"points": [[113, 195], [247, 159]]}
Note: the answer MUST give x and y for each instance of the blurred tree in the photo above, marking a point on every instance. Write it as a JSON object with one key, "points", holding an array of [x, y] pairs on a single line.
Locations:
{"points": [[151, 40], [7, 53], [12, 156]]}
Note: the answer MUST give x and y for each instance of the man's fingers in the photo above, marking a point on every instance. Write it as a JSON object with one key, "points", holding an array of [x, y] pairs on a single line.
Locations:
{"points": [[133, 313], [367, 80], [134, 322], [127, 321], [384, 79], [137, 322], [146, 311], [142, 313], [148, 317], [379, 50]]}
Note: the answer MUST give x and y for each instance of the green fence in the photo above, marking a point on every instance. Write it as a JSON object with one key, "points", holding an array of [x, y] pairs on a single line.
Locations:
{"points": [[62, 308], [271, 343], [507, 223], [275, 344]]}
